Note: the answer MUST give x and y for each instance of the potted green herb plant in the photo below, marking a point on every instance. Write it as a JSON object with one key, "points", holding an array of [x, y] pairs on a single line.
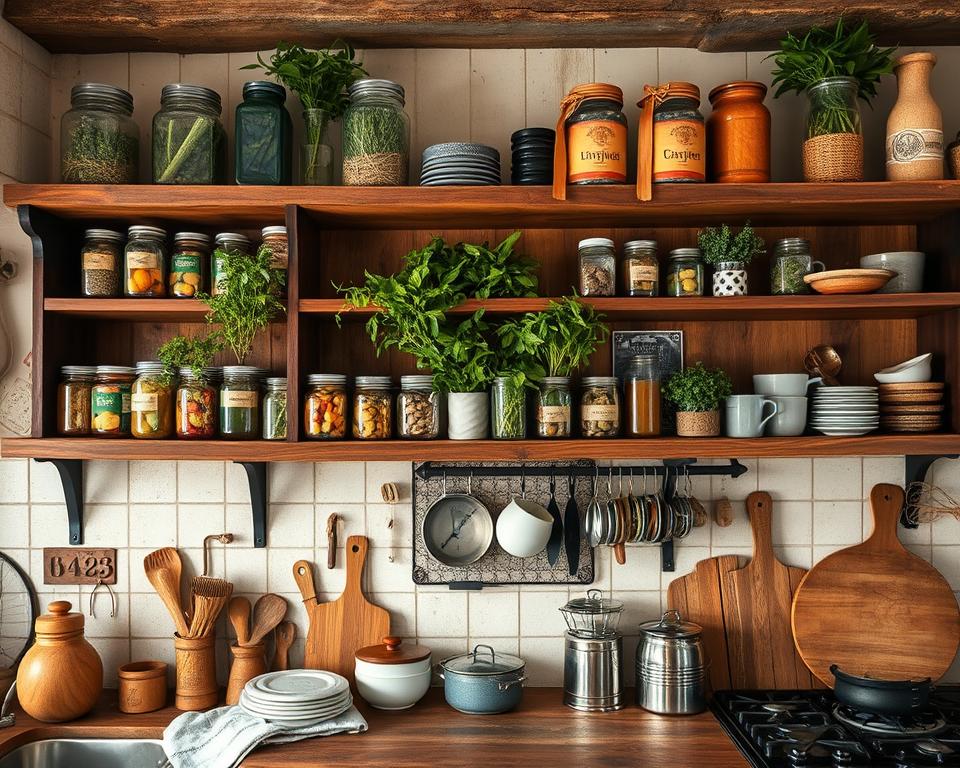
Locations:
{"points": [[518, 369], [834, 68], [697, 393], [729, 255]]}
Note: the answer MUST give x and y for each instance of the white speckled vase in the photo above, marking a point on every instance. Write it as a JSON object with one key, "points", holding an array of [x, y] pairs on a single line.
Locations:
{"points": [[730, 279]]}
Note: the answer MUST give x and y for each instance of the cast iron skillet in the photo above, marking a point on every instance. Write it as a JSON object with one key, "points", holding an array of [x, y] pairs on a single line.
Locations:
{"points": [[881, 697]]}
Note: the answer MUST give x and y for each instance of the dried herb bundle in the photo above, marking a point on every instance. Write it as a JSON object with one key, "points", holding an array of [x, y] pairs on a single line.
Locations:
{"points": [[98, 151]]}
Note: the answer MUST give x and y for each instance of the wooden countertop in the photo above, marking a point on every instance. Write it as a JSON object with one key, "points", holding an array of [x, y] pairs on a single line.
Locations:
{"points": [[542, 731]]}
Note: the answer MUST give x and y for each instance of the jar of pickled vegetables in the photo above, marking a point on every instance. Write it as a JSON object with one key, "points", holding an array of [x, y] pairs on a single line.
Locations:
{"points": [[188, 264], [275, 240], [275, 409], [151, 402], [325, 407], [224, 243], [197, 404], [145, 262], [599, 407], [553, 407], [418, 408], [685, 277], [240, 403], [110, 401], [372, 408], [73, 399]]}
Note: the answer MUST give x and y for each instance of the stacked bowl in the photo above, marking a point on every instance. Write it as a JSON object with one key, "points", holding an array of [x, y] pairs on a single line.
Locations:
{"points": [[297, 698], [845, 411], [912, 406], [460, 164], [532, 156]]}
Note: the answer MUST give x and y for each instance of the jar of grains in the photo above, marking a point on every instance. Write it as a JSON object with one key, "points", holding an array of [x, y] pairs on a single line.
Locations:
{"points": [[73, 399], [325, 407], [639, 267], [275, 239], [110, 401], [595, 134], [100, 262], [418, 408], [224, 243], [275, 409], [197, 404], [553, 407], [679, 141], [372, 408], [151, 402], [685, 277], [145, 262], [599, 407], [598, 267], [641, 390], [240, 403], [188, 264]]}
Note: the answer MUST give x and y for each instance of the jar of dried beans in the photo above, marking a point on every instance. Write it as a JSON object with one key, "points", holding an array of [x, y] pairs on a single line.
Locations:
{"points": [[188, 265], [110, 401], [275, 409], [145, 262], [639, 267], [100, 262], [73, 399], [372, 408], [418, 408], [325, 406], [197, 404], [553, 407], [598, 267], [599, 407], [151, 402], [275, 240], [240, 403]]}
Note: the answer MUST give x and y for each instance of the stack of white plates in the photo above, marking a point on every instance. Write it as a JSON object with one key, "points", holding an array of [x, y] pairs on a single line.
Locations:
{"points": [[460, 164], [297, 698], [845, 411]]}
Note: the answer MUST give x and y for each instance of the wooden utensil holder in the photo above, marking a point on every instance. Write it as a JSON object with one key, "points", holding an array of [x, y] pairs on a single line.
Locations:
{"points": [[196, 673], [143, 686], [249, 661]]}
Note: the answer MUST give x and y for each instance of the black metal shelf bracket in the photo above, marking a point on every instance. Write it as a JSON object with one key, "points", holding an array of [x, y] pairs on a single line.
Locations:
{"points": [[71, 477], [915, 470], [257, 480]]}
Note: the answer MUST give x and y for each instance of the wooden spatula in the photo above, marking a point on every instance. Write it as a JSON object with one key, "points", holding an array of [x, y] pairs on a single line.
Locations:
{"points": [[268, 611], [286, 634], [239, 613], [163, 569]]}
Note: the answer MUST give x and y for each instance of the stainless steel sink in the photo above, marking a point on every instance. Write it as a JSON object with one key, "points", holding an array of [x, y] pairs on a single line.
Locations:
{"points": [[87, 753]]}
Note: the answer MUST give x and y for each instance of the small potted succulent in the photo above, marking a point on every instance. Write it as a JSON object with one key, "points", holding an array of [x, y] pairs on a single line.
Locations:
{"points": [[697, 393], [729, 255]]}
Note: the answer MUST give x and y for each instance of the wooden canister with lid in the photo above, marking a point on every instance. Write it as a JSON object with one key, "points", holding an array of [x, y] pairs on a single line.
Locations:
{"points": [[738, 133]]}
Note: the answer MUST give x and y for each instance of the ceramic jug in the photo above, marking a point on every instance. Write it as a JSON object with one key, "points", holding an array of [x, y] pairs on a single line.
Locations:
{"points": [[915, 124]]}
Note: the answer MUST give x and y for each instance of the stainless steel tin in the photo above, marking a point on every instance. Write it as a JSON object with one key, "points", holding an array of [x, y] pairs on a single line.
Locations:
{"points": [[671, 667], [593, 673]]}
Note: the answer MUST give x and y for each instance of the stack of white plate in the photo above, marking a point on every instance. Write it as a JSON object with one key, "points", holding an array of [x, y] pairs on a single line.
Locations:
{"points": [[460, 164], [297, 698], [845, 411]]}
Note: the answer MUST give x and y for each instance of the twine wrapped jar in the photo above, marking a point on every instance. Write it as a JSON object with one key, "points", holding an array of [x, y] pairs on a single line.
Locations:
{"points": [[833, 149]]}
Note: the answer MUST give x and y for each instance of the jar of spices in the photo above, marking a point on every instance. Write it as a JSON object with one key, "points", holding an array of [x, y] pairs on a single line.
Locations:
{"points": [[264, 135], [508, 409], [418, 408], [240, 403], [110, 401], [100, 262], [553, 407], [73, 399], [372, 408], [376, 135], [599, 407], [598, 267], [641, 390], [685, 277], [223, 244], [596, 135], [188, 264], [99, 139], [791, 260], [197, 404], [679, 144], [145, 262], [275, 409], [275, 239], [151, 402], [325, 406], [640, 269], [738, 133], [189, 144]]}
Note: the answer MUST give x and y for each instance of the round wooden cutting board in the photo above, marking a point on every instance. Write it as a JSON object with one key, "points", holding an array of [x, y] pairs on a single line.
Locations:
{"points": [[876, 609]]}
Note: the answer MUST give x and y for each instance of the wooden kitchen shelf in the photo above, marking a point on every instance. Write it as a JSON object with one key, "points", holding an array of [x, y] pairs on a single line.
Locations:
{"points": [[151, 310]]}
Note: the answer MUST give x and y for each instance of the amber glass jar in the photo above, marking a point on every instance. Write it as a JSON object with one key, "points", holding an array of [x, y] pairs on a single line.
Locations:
{"points": [[679, 144], [738, 133], [197, 405], [641, 391], [110, 401], [325, 406], [596, 135], [73, 399]]}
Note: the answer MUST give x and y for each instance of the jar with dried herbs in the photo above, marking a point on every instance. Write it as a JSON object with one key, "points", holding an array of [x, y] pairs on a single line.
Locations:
{"points": [[100, 262], [599, 407], [791, 260], [191, 250], [197, 404], [145, 262], [376, 135], [275, 409], [73, 399], [240, 403], [224, 243], [110, 401], [325, 406], [151, 402], [274, 239], [99, 140], [640, 269], [553, 407], [372, 408], [418, 408], [189, 144], [598, 267]]}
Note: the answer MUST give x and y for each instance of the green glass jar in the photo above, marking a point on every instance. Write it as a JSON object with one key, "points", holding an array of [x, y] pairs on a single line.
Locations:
{"points": [[264, 135], [240, 403]]}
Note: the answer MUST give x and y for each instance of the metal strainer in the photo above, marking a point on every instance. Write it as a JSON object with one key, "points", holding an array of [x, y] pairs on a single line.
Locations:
{"points": [[592, 616]]}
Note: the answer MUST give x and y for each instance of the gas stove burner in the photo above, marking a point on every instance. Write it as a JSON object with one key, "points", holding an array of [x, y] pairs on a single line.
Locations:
{"points": [[780, 709], [919, 724], [932, 747]]}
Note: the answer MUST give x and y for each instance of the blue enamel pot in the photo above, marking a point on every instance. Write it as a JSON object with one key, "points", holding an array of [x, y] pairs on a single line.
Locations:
{"points": [[482, 682]]}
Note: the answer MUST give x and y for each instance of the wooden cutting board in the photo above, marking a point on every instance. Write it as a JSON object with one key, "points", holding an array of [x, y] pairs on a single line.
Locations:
{"points": [[756, 611], [876, 609], [339, 629]]}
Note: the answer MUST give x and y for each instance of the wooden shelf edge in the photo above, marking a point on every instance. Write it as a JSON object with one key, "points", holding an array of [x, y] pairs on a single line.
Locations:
{"points": [[154, 310]]}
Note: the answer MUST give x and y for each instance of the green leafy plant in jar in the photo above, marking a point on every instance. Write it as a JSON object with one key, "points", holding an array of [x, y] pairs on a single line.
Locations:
{"points": [[697, 393]]}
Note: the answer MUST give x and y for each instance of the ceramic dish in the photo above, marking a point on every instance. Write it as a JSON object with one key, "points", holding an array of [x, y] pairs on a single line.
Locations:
{"points": [[849, 280], [912, 371], [455, 149], [907, 264]]}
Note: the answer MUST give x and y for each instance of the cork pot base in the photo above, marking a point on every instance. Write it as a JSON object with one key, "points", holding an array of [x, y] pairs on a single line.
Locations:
{"points": [[954, 154], [698, 423], [833, 157]]}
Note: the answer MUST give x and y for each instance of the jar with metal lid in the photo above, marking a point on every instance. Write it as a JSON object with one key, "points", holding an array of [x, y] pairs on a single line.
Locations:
{"points": [[100, 262], [275, 409], [73, 399], [791, 260], [189, 144], [188, 264], [151, 402], [372, 408], [240, 403], [641, 390], [110, 401], [640, 269], [679, 141], [671, 666], [325, 406], [223, 244], [593, 615], [145, 262], [553, 407], [264, 135], [596, 135], [376, 135], [418, 408], [508, 408], [197, 404], [599, 407], [99, 139], [275, 240], [598, 267], [685, 277]]}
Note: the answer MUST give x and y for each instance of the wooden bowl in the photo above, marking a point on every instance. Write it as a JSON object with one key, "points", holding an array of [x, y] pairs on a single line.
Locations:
{"points": [[849, 280]]}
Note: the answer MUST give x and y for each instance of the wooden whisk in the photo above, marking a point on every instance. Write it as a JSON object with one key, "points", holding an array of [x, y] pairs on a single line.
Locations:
{"points": [[209, 598]]}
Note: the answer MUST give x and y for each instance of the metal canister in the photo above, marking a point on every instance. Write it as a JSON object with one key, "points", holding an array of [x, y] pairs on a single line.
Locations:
{"points": [[671, 666], [593, 672]]}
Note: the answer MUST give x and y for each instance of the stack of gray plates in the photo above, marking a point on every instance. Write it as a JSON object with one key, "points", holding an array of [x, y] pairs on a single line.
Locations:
{"points": [[297, 698], [459, 164]]}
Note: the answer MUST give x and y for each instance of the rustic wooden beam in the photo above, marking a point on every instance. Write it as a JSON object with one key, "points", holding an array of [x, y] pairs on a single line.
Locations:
{"points": [[81, 26]]}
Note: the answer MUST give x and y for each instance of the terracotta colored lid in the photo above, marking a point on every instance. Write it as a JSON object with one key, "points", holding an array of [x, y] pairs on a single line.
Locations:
{"points": [[587, 91], [392, 651], [754, 85], [682, 90], [916, 56], [59, 621]]}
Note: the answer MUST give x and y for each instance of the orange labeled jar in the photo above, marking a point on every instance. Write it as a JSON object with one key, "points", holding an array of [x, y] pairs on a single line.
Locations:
{"points": [[679, 142], [738, 133], [597, 136]]}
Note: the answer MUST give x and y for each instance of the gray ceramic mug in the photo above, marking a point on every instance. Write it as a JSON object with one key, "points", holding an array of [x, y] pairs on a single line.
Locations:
{"points": [[791, 418], [745, 415]]}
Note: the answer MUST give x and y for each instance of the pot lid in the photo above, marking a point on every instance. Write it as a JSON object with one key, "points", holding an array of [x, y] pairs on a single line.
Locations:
{"points": [[483, 661], [671, 624], [60, 620], [593, 603], [392, 651]]}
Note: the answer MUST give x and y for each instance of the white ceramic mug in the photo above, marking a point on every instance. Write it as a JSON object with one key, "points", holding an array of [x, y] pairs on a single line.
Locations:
{"points": [[523, 528], [782, 384], [745, 415], [791, 417]]}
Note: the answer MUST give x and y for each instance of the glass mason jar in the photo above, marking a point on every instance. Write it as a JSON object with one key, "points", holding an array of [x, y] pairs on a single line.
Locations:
{"points": [[100, 262], [372, 408], [376, 135], [553, 407], [151, 402], [641, 391], [679, 140], [418, 409], [275, 238], [73, 399], [599, 407], [325, 406], [791, 260], [224, 243], [275, 409], [597, 136], [598, 267], [316, 156], [145, 262], [685, 275], [264, 135], [189, 143], [188, 264], [640, 269], [110, 401], [197, 405], [99, 140], [833, 148], [508, 409], [240, 403]]}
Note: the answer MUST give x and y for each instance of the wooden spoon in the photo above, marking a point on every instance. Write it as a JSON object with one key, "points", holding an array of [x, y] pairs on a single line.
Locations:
{"points": [[163, 569], [286, 634], [268, 611], [239, 613]]}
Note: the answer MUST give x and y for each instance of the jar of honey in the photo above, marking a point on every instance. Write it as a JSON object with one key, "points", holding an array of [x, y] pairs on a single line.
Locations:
{"points": [[738, 133], [679, 143], [596, 135], [641, 392]]}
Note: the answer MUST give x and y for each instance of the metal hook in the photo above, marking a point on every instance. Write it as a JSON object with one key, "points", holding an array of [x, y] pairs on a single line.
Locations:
{"points": [[523, 482], [223, 538], [620, 481], [610, 482], [113, 599], [470, 483], [631, 481], [553, 482]]}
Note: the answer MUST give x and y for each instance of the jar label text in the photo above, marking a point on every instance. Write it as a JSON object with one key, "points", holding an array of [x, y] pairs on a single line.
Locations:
{"points": [[597, 149], [599, 413], [679, 150], [553, 414], [142, 402], [913, 145], [142, 260], [98, 260], [238, 399]]}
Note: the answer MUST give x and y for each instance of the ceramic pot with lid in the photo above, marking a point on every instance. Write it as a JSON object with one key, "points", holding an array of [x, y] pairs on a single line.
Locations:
{"points": [[393, 675], [671, 666], [483, 682]]}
